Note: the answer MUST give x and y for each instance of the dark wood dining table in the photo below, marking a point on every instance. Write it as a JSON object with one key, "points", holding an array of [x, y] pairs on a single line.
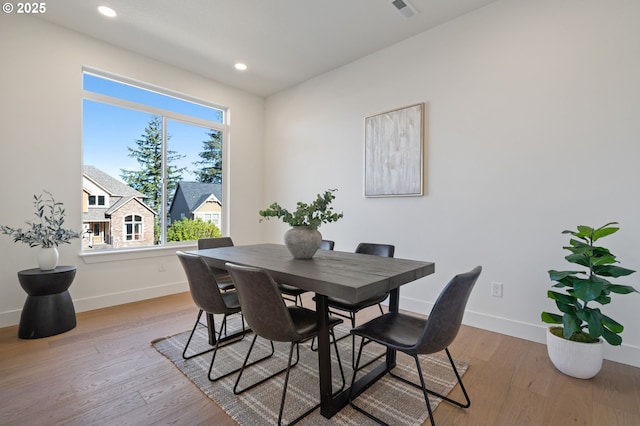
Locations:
{"points": [[349, 276]]}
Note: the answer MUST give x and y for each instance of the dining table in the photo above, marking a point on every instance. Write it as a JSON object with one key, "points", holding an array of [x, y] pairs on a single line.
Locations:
{"points": [[350, 276]]}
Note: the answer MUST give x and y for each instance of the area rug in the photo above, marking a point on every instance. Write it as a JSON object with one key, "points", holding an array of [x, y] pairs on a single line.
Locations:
{"points": [[391, 400]]}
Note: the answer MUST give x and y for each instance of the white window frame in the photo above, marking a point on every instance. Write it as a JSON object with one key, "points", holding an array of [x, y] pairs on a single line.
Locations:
{"points": [[150, 251]]}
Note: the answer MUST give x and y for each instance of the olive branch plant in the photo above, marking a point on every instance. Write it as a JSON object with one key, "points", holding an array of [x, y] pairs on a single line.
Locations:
{"points": [[311, 215], [47, 229]]}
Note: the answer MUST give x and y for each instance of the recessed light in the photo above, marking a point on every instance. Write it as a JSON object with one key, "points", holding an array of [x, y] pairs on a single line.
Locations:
{"points": [[107, 11], [240, 66]]}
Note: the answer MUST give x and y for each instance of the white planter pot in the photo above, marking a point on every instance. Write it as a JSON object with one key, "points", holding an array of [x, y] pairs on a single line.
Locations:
{"points": [[575, 359], [302, 242], [48, 258]]}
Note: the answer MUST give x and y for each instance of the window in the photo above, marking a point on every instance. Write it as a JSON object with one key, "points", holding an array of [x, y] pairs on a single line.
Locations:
{"points": [[141, 146], [216, 219], [99, 202], [133, 227]]}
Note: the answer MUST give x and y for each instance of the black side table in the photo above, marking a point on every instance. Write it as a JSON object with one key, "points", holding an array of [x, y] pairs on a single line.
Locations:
{"points": [[48, 309]]}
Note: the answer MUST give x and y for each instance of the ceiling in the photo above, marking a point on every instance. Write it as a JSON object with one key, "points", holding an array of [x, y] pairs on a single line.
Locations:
{"points": [[283, 42]]}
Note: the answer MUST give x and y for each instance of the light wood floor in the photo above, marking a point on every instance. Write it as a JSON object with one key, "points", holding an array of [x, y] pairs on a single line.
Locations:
{"points": [[105, 372]]}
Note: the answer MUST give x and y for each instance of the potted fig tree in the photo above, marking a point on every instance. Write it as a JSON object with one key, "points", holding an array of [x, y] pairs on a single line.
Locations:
{"points": [[303, 239], [575, 342]]}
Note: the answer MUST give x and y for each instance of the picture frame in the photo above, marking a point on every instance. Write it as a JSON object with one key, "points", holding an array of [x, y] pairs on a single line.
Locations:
{"points": [[394, 153]]}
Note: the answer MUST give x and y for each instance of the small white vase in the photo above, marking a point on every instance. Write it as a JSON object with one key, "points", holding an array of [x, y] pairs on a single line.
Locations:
{"points": [[48, 258], [575, 359], [302, 242]]}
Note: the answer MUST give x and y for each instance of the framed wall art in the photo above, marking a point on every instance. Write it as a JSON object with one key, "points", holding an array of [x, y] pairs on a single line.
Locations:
{"points": [[393, 153]]}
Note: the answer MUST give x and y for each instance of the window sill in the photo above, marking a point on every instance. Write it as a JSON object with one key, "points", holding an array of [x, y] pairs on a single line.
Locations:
{"points": [[117, 255]]}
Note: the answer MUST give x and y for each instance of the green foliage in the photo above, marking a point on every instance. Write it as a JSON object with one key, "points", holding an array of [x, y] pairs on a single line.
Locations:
{"points": [[211, 164], [47, 230], [190, 230], [584, 287], [310, 215], [148, 178]]}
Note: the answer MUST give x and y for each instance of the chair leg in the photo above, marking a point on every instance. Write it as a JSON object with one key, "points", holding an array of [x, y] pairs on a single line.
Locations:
{"points": [[286, 381], [193, 330], [425, 392], [246, 364], [366, 413], [219, 339], [335, 344], [465, 404], [351, 317], [422, 386], [353, 380], [371, 361], [215, 351]]}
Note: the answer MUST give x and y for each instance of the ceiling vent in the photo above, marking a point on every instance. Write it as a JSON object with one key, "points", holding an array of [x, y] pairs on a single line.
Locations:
{"points": [[405, 8]]}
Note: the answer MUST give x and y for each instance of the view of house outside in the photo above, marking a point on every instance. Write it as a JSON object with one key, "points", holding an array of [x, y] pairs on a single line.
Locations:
{"points": [[152, 171]]}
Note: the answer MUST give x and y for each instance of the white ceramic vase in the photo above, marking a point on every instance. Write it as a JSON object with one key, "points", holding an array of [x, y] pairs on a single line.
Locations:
{"points": [[575, 359], [48, 258], [302, 242]]}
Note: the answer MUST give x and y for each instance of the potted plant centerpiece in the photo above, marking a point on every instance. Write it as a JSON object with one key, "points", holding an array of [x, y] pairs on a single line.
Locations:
{"points": [[576, 347], [47, 231], [303, 239]]}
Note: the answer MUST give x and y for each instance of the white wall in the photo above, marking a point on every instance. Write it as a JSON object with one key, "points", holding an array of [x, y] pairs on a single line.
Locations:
{"points": [[532, 129], [41, 148]]}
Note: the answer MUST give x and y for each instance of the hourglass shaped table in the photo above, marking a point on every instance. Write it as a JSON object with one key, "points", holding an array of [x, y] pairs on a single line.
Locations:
{"points": [[48, 309]]}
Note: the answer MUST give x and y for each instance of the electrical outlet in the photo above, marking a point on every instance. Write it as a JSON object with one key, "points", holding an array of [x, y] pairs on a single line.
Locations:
{"points": [[496, 289]]}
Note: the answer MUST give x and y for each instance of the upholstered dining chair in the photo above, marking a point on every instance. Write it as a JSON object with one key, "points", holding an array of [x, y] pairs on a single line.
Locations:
{"points": [[208, 298], [222, 277], [294, 294], [351, 309], [418, 336], [270, 318]]}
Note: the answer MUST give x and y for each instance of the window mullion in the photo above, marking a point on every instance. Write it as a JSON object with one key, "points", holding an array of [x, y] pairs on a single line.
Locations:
{"points": [[163, 207]]}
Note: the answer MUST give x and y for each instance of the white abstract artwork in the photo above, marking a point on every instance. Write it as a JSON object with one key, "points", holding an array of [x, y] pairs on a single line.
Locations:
{"points": [[394, 152]]}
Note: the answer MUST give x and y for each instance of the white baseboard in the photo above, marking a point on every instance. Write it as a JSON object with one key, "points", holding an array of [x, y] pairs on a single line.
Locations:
{"points": [[10, 318], [114, 299], [625, 354]]}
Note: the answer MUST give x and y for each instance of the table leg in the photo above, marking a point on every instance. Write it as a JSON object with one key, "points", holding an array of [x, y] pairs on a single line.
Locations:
{"points": [[394, 306], [211, 326], [324, 357], [330, 405]]}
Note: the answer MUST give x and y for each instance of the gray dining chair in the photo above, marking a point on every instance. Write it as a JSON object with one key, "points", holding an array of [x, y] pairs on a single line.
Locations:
{"points": [[270, 318], [418, 336], [210, 300], [294, 294], [337, 306], [222, 277]]}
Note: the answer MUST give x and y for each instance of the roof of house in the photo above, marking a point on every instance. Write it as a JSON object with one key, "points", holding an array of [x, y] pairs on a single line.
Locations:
{"points": [[119, 195], [122, 201], [196, 193], [110, 184]]}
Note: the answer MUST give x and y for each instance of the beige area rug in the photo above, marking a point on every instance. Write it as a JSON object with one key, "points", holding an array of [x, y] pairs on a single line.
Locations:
{"points": [[391, 400]]}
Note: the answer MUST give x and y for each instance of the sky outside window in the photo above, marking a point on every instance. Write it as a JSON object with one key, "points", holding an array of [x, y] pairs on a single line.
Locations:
{"points": [[109, 130]]}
